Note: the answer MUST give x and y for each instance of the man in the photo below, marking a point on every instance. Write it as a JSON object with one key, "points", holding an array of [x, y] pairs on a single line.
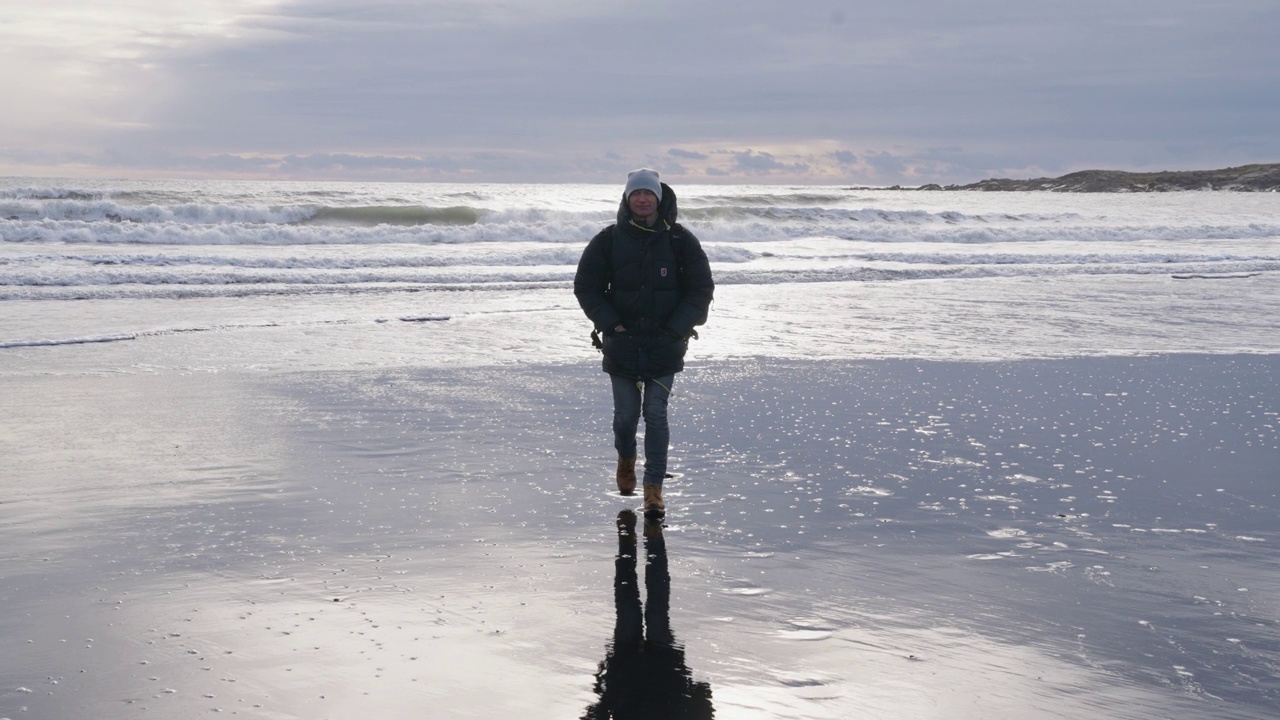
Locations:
{"points": [[645, 283]]}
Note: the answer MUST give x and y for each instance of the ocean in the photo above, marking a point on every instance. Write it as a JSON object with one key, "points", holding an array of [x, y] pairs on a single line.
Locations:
{"points": [[317, 450], [802, 271]]}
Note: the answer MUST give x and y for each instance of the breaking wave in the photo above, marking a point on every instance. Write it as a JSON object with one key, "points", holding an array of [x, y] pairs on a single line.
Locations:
{"points": [[185, 239]]}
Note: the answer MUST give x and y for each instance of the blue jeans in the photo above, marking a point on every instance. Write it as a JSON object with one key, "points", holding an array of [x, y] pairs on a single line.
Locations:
{"points": [[630, 399]]}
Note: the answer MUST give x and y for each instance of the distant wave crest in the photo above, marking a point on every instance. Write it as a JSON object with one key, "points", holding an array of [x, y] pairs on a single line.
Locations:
{"points": [[404, 215]]}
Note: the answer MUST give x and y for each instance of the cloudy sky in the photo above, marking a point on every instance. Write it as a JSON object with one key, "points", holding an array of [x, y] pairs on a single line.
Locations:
{"points": [[764, 91]]}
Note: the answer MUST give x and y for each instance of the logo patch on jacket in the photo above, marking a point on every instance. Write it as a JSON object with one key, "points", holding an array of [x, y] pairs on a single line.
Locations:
{"points": [[663, 272]]}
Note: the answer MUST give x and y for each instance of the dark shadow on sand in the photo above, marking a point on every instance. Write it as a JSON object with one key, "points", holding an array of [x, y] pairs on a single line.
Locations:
{"points": [[644, 674]]}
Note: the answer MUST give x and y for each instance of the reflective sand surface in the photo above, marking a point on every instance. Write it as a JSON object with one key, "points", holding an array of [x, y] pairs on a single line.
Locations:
{"points": [[1036, 539]]}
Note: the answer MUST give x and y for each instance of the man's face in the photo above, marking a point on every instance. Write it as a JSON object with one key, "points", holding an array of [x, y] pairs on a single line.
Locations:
{"points": [[643, 204]]}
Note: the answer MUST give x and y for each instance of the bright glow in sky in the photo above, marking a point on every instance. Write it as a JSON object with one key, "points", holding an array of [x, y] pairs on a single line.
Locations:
{"points": [[571, 90]]}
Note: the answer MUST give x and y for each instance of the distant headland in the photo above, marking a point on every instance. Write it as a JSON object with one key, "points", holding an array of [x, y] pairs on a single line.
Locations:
{"points": [[1246, 178]]}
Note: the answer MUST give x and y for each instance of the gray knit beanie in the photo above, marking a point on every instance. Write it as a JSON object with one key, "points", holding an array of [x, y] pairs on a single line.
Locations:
{"points": [[643, 179]]}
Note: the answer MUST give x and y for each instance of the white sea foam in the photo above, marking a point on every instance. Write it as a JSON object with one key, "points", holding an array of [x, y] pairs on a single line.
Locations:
{"points": [[68, 341], [180, 240]]}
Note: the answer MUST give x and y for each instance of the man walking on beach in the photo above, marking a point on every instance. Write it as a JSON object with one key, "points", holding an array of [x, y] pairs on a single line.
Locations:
{"points": [[645, 283]]}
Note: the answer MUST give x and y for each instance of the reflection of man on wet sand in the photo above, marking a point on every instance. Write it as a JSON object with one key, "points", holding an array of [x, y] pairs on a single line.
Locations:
{"points": [[644, 675]]}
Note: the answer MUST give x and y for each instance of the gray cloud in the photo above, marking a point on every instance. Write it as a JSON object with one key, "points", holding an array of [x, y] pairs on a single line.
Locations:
{"points": [[763, 163], [576, 90], [886, 164], [844, 157]]}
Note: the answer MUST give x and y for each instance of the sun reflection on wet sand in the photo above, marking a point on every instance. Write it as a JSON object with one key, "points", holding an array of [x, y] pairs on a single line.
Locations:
{"points": [[1069, 539]]}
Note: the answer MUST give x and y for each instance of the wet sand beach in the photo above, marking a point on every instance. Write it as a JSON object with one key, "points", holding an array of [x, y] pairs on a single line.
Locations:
{"points": [[1082, 538]]}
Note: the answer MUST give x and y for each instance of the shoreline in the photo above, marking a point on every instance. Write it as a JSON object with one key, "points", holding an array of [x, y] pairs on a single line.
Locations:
{"points": [[989, 319]]}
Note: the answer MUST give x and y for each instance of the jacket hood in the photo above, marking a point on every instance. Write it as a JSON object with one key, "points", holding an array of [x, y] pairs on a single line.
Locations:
{"points": [[666, 207]]}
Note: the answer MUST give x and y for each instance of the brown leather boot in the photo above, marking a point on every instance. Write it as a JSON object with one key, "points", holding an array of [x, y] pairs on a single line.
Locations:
{"points": [[653, 505], [627, 476]]}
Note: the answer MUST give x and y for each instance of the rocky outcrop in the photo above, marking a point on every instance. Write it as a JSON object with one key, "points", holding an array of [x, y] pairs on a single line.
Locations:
{"points": [[1246, 178]]}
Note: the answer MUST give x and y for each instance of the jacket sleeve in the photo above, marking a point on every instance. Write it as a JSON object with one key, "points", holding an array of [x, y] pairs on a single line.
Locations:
{"points": [[591, 283], [696, 289]]}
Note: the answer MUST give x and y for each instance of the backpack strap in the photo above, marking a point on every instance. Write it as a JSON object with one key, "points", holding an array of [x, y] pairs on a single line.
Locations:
{"points": [[678, 237]]}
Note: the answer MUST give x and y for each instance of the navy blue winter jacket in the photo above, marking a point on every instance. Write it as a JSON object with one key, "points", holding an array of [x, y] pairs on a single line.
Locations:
{"points": [[654, 282]]}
